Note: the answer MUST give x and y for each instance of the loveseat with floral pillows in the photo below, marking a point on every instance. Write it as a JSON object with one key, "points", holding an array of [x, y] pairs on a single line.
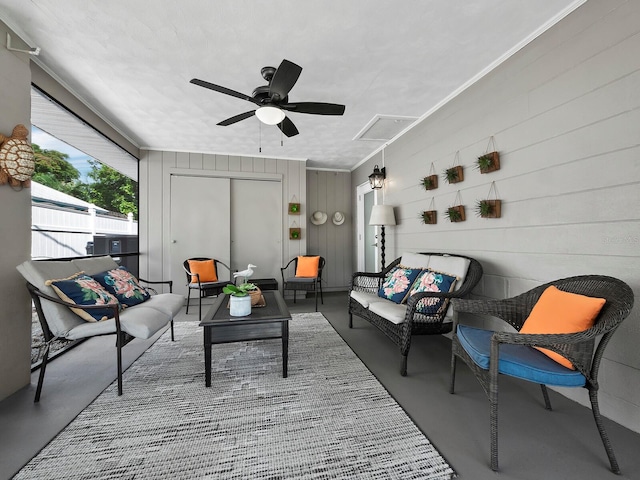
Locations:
{"points": [[411, 296], [93, 296]]}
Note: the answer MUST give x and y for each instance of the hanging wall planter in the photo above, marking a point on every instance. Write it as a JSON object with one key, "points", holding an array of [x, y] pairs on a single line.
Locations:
{"points": [[430, 217], [490, 160], [490, 207], [430, 182], [454, 174], [294, 207], [456, 213], [295, 232]]}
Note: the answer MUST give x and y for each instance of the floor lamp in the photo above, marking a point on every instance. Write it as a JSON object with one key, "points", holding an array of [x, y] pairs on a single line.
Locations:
{"points": [[382, 215]]}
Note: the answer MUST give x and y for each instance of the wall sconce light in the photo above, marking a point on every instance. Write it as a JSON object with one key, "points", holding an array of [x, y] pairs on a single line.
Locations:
{"points": [[376, 179]]}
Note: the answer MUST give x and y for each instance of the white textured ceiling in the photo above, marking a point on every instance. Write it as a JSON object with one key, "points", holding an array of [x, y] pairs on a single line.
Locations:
{"points": [[131, 61]]}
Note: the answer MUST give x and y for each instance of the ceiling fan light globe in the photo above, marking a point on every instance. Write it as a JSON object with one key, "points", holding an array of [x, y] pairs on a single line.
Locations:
{"points": [[270, 115]]}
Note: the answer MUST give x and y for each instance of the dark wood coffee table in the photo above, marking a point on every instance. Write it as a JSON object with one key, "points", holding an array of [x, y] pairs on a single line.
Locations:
{"points": [[270, 321]]}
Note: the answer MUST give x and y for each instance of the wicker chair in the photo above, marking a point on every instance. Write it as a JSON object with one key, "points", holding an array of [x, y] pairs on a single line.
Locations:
{"points": [[204, 289], [516, 348], [306, 284]]}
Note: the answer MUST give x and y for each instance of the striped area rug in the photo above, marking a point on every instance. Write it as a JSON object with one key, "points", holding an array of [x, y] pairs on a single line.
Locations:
{"points": [[329, 419]]}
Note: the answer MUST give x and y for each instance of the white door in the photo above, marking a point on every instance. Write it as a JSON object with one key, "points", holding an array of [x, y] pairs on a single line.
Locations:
{"points": [[200, 223], [256, 226]]}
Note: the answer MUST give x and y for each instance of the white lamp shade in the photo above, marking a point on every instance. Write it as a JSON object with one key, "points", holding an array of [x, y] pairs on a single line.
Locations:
{"points": [[270, 115], [382, 215]]}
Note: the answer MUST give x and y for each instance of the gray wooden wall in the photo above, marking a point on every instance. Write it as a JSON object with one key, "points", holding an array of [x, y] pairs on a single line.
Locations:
{"points": [[15, 233], [328, 191], [565, 113]]}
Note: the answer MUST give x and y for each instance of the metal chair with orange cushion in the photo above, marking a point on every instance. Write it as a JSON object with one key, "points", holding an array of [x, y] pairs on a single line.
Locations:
{"points": [[307, 277], [203, 274]]}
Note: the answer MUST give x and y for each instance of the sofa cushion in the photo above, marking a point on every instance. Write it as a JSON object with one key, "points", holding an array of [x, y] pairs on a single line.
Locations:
{"points": [[415, 260], [451, 265], [59, 318], [519, 361], [364, 298], [391, 311], [432, 281], [307, 266], [167, 303], [123, 285], [139, 321], [82, 289], [205, 270], [93, 265], [561, 312], [397, 283]]}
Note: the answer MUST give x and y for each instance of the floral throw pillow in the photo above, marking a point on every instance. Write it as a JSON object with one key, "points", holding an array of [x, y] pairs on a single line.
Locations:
{"points": [[126, 288], [432, 281], [81, 289], [397, 283]]}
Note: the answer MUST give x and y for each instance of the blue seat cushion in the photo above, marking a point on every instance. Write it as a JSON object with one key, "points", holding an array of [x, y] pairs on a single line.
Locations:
{"points": [[520, 361]]}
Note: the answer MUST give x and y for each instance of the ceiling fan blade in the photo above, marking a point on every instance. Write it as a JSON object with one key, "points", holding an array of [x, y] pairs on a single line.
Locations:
{"points": [[284, 79], [288, 128], [226, 91], [316, 108], [237, 118]]}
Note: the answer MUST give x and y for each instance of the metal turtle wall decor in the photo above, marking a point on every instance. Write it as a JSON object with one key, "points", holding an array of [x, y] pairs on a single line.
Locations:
{"points": [[17, 162]]}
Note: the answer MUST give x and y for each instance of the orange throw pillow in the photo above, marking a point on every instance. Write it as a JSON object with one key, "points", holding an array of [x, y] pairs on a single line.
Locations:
{"points": [[206, 269], [562, 312], [307, 267]]}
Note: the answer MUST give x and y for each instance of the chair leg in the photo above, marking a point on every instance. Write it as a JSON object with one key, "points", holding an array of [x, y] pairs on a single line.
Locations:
{"points": [[595, 409], [172, 337], [403, 365], [321, 297], [294, 296], [350, 320], [200, 306], [452, 381], [43, 368], [188, 299], [545, 394], [316, 295], [119, 361]]}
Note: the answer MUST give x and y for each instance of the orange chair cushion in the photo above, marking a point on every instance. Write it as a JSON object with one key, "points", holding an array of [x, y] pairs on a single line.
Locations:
{"points": [[562, 312], [307, 267], [206, 269]]}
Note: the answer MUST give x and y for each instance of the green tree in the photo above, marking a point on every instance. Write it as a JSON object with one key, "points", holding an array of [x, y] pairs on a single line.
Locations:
{"points": [[112, 190], [55, 171]]}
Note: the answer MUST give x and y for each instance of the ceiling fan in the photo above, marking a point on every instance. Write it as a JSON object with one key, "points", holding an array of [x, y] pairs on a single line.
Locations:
{"points": [[273, 99]]}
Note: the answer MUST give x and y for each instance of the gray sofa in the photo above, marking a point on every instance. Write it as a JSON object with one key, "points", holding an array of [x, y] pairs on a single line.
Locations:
{"points": [[58, 321], [400, 321]]}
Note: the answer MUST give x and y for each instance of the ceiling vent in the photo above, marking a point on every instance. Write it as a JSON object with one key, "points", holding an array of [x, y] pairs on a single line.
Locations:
{"points": [[384, 127]]}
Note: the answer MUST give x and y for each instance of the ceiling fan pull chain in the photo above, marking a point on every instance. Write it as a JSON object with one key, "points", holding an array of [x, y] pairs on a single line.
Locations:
{"points": [[260, 137]]}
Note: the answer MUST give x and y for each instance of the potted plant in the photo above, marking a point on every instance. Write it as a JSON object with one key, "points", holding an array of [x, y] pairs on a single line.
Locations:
{"points": [[454, 174], [429, 217], [489, 162], [455, 213], [239, 298], [430, 182], [489, 208]]}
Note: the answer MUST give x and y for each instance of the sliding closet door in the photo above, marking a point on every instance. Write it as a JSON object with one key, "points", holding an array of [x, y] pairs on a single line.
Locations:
{"points": [[256, 226], [200, 223]]}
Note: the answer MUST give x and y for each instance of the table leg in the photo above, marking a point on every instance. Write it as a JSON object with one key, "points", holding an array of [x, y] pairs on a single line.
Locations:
{"points": [[285, 348], [207, 356]]}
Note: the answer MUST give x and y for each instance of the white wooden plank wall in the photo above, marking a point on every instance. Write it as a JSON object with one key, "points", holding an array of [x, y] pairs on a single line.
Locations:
{"points": [[154, 199], [565, 113]]}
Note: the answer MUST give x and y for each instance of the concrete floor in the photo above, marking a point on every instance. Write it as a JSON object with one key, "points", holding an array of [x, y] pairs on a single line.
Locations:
{"points": [[534, 443]]}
